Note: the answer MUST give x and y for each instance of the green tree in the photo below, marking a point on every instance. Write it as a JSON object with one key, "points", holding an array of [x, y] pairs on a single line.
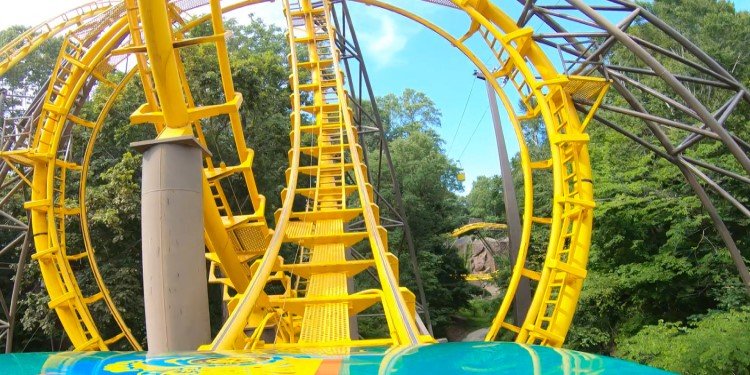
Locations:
{"points": [[29, 76], [715, 344], [411, 111], [485, 200], [258, 55], [428, 181], [655, 254]]}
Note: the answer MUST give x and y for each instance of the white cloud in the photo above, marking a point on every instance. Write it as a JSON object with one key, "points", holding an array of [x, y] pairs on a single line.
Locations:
{"points": [[382, 39], [271, 13]]}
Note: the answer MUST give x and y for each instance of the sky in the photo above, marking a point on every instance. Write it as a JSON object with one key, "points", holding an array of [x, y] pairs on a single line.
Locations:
{"points": [[399, 54]]}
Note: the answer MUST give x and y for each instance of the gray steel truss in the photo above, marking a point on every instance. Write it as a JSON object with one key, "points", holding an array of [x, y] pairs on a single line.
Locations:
{"points": [[585, 35]]}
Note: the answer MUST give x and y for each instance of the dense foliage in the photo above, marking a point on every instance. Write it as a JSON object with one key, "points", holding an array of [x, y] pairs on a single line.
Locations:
{"points": [[655, 254], [429, 185], [260, 72], [716, 344]]}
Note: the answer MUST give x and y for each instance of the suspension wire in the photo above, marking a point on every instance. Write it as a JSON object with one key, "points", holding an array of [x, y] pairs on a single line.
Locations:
{"points": [[474, 132], [473, 82]]}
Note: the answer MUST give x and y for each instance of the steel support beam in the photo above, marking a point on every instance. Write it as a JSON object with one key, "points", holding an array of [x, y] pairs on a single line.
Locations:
{"points": [[346, 25], [17, 282], [522, 297], [711, 128], [719, 224], [669, 78], [174, 266]]}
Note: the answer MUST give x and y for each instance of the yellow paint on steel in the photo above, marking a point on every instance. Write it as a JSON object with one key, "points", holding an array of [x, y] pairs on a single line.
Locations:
{"points": [[84, 214], [470, 228], [518, 269], [477, 226], [545, 92], [230, 335], [49, 207], [20, 47], [78, 66], [232, 239], [157, 34], [323, 308], [481, 276], [521, 61], [136, 39], [515, 121]]}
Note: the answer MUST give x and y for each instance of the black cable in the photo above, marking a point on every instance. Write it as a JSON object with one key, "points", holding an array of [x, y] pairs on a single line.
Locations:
{"points": [[474, 81], [473, 132]]}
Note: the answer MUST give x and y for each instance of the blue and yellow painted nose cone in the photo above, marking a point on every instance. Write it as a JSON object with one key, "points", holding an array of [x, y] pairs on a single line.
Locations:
{"points": [[450, 358]]}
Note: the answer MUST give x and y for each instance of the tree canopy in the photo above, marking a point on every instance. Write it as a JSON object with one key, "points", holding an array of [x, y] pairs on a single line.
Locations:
{"points": [[260, 72]]}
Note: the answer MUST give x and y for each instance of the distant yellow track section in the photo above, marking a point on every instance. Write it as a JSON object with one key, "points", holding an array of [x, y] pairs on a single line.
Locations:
{"points": [[471, 227], [547, 95], [15, 51], [477, 226]]}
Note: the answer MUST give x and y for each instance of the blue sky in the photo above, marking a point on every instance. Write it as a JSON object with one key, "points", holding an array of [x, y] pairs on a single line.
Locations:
{"points": [[427, 63], [400, 54], [421, 60]]}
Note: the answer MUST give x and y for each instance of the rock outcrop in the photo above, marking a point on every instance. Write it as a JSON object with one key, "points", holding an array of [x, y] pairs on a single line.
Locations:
{"points": [[479, 253]]}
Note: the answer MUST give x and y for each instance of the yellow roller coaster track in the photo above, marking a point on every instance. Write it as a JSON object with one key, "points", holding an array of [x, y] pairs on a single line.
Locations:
{"points": [[26, 43], [547, 95], [88, 54], [318, 306], [477, 226], [315, 307], [474, 227]]}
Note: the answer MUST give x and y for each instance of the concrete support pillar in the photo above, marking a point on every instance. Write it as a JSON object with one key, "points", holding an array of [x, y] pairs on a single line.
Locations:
{"points": [[174, 264]]}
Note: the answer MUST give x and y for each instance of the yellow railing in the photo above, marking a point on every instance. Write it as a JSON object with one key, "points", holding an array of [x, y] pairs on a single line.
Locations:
{"points": [[26, 43]]}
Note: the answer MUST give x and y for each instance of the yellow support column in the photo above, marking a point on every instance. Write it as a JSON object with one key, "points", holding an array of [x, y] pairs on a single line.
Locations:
{"points": [[157, 31], [174, 267]]}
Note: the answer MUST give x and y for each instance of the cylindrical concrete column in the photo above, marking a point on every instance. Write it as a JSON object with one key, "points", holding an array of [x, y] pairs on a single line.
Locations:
{"points": [[174, 264]]}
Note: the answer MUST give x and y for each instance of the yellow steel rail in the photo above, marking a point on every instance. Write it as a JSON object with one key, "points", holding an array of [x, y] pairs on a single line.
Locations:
{"points": [[235, 241], [48, 205], [230, 335], [322, 308], [519, 269], [81, 65], [232, 239], [470, 228], [477, 226], [547, 95], [481, 276], [20, 47]]}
